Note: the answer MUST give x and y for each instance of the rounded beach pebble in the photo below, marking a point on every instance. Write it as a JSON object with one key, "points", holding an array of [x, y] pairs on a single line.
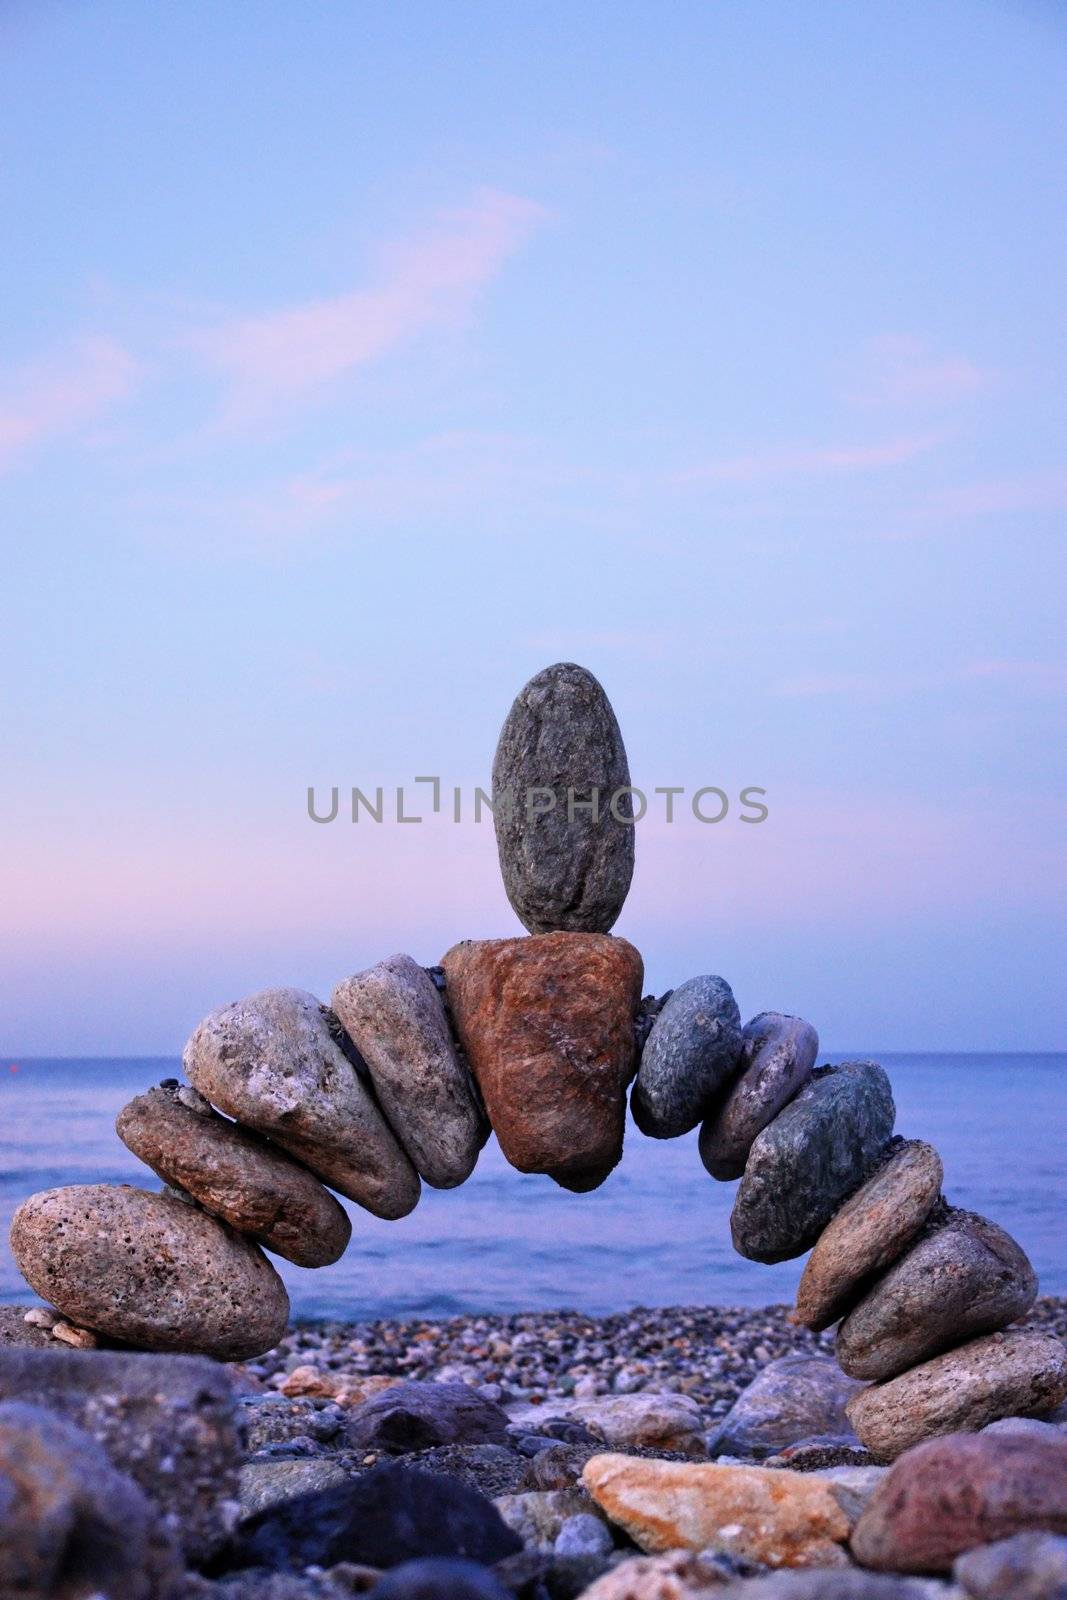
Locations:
{"points": [[548, 1027], [565, 864], [810, 1158], [777, 1057], [396, 1019], [869, 1232], [150, 1271], [691, 1052], [235, 1174], [276, 1063], [953, 1494], [1020, 1372], [962, 1277]]}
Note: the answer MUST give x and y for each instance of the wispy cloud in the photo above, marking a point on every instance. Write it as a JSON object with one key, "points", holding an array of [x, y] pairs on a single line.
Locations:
{"points": [[59, 394], [793, 461], [285, 356], [1034, 491], [898, 369]]}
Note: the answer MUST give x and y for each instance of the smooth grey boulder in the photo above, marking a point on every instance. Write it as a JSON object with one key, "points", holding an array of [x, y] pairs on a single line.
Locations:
{"points": [[691, 1053], [271, 1482], [810, 1158], [1028, 1566], [777, 1057], [420, 1415], [962, 1277], [71, 1526], [168, 1421], [277, 1062], [565, 866], [149, 1270], [396, 1018], [795, 1397]]}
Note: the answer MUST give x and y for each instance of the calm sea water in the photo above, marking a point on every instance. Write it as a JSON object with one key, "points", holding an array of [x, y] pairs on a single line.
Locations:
{"points": [[656, 1233]]}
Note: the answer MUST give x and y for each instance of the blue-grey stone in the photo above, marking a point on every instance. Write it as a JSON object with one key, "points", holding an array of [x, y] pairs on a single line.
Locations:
{"points": [[1028, 1566], [692, 1052], [565, 866], [777, 1057], [814, 1154]]}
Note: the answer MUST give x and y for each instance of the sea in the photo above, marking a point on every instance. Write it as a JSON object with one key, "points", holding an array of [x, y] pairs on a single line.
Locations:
{"points": [[656, 1233]]}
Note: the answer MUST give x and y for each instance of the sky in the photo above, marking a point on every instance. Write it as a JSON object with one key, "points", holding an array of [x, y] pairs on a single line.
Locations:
{"points": [[357, 361]]}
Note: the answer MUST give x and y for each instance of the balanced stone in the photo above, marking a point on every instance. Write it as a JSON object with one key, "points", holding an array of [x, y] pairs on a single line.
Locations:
{"points": [[396, 1018], [547, 1025], [235, 1174], [964, 1276], [1020, 1372], [777, 1057], [949, 1495], [810, 1158], [149, 1271], [562, 806], [691, 1052], [276, 1062], [869, 1232]]}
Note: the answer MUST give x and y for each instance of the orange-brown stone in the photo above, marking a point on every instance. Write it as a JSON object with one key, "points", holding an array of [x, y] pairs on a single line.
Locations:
{"points": [[547, 1023]]}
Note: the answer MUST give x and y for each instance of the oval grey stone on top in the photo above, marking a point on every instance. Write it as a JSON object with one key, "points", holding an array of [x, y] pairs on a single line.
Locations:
{"points": [[870, 1231], [692, 1051], [273, 1061], [819, 1149], [235, 1174], [777, 1057], [962, 1277], [563, 872], [397, 1021]]}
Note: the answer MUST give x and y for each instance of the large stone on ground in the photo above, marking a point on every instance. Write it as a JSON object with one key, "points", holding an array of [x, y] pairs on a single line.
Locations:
{"points": [[869, 1232], [691, 1053], [951, 1494], [235, 1174], [795, 1397], [396, 1018], [149, 1270], [387, 1515], [1028, 1566], [565, 865], [271, 1482], [1017, 1373], [962, 1277], [278, 1063], [852, 1585], [777, 1058], [440, 1578], [71, 1526], [167, 1421], [782, 1518], [666, 1421], [815, 1153], [547, 1025], [419, 1415], [677, 1575]]}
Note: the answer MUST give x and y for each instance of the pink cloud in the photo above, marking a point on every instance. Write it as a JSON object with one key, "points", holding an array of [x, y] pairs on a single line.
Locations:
{"points": [[49, 397], [1036, 491], [282, 356], [898, 369], [807, 461]]}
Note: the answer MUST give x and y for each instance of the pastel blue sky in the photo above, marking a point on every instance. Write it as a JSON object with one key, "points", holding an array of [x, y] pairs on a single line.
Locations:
{"points": [[357, 361]]}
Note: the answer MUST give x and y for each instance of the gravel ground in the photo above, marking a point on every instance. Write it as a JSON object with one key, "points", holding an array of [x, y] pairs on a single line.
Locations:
{"points": [[531, 1359]]}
